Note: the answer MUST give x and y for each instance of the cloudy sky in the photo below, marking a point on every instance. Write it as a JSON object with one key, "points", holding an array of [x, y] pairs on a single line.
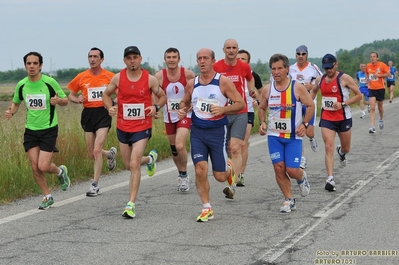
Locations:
{"points": [[63, 31]]}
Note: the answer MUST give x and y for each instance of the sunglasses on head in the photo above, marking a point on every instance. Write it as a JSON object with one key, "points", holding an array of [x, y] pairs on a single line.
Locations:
{"points": [[303, 54]]}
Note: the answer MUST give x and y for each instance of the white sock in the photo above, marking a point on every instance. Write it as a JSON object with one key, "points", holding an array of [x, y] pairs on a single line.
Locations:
{"points": [[206, 205], [150, 159], [48, 196]]}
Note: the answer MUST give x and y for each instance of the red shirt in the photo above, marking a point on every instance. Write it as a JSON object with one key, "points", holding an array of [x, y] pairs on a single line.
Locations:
{"points": [[133, 98], [237, 74]]}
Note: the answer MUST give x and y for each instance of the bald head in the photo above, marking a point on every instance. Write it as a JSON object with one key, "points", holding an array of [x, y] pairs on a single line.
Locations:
{"points": [[206, 52], [230, 42]]}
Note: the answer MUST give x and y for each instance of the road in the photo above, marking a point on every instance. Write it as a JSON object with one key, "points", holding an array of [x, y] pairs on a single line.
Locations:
{"points": [[357, 224]]}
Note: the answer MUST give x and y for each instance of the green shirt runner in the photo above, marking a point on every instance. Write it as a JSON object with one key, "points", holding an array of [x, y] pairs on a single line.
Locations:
{"points": [[41, 114]]}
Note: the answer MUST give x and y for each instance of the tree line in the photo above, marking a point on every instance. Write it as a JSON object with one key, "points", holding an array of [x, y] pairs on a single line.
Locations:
{"points": [[349, 61]]}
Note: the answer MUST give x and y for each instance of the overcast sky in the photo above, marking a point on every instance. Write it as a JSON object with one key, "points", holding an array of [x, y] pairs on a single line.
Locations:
{"points": [[63, 31]]}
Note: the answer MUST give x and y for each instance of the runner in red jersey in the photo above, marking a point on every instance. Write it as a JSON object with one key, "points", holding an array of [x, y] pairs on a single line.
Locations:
{"points": [[134, 118], [336, 118], [238, 72]]}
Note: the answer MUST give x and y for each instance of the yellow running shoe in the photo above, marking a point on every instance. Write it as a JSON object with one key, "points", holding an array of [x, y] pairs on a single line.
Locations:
{"points": [[206, 214], [130, 210], [152, 167]]}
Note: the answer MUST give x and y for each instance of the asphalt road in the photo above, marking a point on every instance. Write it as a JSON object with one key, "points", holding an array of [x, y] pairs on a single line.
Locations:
{"points": [[357, 224]]}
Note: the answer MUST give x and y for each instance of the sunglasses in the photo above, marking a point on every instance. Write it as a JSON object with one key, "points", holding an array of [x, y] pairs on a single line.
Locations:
{"points": [[303, 54]]}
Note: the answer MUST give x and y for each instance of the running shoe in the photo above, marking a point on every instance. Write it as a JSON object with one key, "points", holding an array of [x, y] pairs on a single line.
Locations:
{"points": [[241, 181], [184, 184], [288, 206], [93, 191], [304, 185], [363, 115], [330, 185], [111, 161], [206, 214], [313, 144], [63, 178], [342, 156], [46, 203], [152, 167], [229, 190], [130, 210], [372, 130], [178, 183], [381, 124], [304, 163]]}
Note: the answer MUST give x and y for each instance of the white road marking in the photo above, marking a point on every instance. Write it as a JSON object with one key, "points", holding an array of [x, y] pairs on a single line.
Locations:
{"points": [[279, 249]]}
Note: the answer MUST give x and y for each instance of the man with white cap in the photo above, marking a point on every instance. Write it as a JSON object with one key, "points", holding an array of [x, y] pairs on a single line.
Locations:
{"points": [[306, 73]]}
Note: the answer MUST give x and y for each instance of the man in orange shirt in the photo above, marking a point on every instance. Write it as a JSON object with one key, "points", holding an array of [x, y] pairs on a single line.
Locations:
{"points": [[376, 73], [95, 120]]}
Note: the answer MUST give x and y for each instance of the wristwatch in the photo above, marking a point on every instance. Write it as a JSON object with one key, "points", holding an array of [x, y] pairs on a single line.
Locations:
{"points": [[306, 124], [157, 107], [261, 123], [343, 104]]}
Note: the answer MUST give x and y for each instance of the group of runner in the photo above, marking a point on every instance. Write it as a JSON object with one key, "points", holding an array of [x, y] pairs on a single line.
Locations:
{"points": [[215, 108]]}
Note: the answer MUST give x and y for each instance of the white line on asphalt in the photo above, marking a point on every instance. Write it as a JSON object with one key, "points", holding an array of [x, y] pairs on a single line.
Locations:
{"points": [[81, 197], [279, 249]]}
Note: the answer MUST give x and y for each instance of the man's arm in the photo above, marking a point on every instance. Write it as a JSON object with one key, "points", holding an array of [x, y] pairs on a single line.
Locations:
{"points": [[185, 103], [229, 90], [304, 97], [348, 81], [157, 91], [189, 75], [262, 109], [111, 88], [315, 88], [11, 110]]}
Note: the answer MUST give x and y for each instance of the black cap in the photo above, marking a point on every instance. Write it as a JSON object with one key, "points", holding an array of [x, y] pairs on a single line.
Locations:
{"points": [[328, 61], [131, 49]]}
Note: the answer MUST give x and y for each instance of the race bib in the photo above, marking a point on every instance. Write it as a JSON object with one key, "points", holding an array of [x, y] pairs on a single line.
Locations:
{"points": [[280, 125], [328, 102], [362, 80], [95, 93], [204, 105], [133, 111], [173, 105], [373, 78], [36, 102]]}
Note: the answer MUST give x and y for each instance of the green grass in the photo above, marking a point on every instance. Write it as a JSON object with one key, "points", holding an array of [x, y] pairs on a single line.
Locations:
{"points": [[16, 179]]}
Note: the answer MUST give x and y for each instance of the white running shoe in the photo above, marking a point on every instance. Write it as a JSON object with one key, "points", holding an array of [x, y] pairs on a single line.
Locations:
{"points": [[381, 124], [304, 185], [303, 164], [184, 184], [313, 144], [111, 162], [93, 191], [330, 185], [342, 156], [288, 206]]}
